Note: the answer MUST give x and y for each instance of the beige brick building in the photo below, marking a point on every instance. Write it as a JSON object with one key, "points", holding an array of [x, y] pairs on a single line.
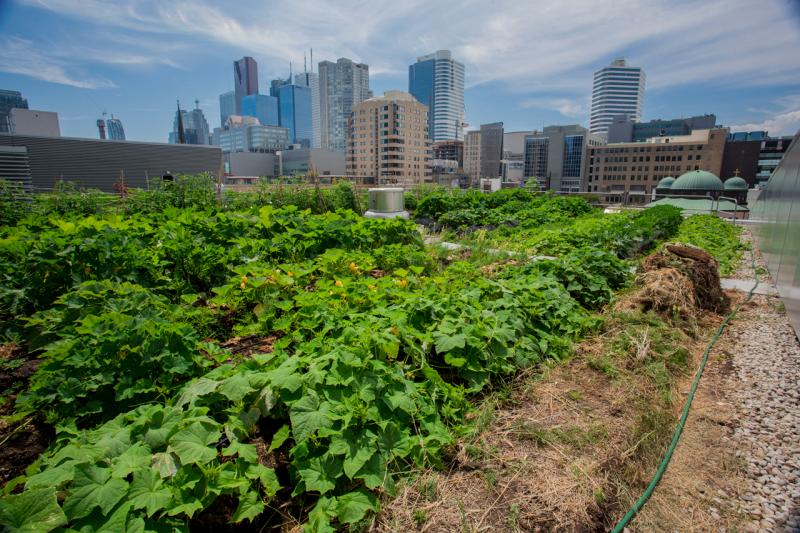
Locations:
{"points": [[628, 172], [472, 154], [388, 140]]}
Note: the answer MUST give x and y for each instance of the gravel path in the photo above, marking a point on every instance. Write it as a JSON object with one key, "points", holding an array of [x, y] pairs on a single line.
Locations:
{"points": [[767, 364]]}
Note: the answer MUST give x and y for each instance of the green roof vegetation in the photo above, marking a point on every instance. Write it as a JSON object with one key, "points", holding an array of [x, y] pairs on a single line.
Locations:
{"points": [[699, 205]]}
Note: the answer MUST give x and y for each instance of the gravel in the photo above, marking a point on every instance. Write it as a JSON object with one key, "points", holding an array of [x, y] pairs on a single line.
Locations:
{"points": [[767, 365]]}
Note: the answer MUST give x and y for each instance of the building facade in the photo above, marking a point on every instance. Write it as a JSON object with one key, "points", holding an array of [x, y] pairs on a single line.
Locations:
{"points": [[618, 89], [437, 81], [342, 85], [34, 122], [311, 80], [555, 156], [195, 127], [629, 172], [624, 130], [449, 151], [245, 80], [491, 150], [770, 156], [227, 106], [251, 138], [294, 104], [98, 163], [388, 140], [472, 154], [304, 161], [115, 130], [263, 107], [8, 101]]}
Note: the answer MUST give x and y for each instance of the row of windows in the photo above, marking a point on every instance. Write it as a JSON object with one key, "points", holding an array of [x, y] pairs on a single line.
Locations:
{"points": [[648, 149]]}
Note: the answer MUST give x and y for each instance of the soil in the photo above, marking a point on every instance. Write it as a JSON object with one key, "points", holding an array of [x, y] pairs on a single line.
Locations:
{"points": [[250, 344]]}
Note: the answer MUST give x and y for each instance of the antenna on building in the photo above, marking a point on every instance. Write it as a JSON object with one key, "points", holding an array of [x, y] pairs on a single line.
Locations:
{"points": [[312, 60], [196, 103], [305, 66], [181, 134], [290, 72]]}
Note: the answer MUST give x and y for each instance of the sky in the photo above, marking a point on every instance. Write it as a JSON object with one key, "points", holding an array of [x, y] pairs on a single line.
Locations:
{"points": [[528, 63]]}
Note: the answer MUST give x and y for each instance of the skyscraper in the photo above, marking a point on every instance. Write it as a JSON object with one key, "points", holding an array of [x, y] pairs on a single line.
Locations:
{"points": [[227, 106], [437, 80], [8, 101], [245, 79], [294, 102], [194, 125], [342, 85], [491, 149], [311, 80], [617, 90], [555, 156], [115, 129], [263, 107]]}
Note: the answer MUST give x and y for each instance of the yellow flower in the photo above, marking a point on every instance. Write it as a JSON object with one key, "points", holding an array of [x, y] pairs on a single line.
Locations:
{"points": [[290, 273], [339, 283], [244, 279], [403, 283], [353, 267], [243, 285], [372, 287]]}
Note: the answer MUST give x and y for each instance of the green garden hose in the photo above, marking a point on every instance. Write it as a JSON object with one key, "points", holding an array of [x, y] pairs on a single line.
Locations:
{"points": [[662, 467]]}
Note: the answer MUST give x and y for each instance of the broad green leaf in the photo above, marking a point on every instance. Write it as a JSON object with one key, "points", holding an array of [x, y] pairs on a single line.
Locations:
{"points": [[446, 342], [164, 463], [321, 472], [319, 519], [266, 476], [279, 437], [33, 511], [187, 507], [93, 487], [52, 476], [117, 521], [148, 492], [235, 387], [250, 506], [353, 506], [137, 457], [196, 389], [194, 444], [309, 415], [452, 360], [248, 452]]}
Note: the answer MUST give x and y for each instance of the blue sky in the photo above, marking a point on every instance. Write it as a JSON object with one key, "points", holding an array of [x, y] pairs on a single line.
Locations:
{"points": [[528, 63]]}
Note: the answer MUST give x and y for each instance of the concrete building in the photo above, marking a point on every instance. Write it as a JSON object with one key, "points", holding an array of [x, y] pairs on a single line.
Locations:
{"points": [[770, 156], [555, 156], [227, 106], [34, 122], [251, 164], [741, 159], [245, 80], [302, 161], [491, 150], [8, 101], [15, 169], [342, 85], [115, 130], [624, 130], [311, 80], [449, 151], [618, 89], [513, 162], [437, 81], [472, 154], [99, 163], [388, 140], [629, 172], [262, 106]]}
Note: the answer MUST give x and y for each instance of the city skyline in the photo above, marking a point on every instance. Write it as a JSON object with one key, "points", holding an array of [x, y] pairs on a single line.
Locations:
{"points": [[138, 57]]}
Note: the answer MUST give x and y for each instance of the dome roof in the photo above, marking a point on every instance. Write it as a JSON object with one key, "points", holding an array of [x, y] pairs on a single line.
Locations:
{"points": [[699, 180], [665, 183], [735, 184]]}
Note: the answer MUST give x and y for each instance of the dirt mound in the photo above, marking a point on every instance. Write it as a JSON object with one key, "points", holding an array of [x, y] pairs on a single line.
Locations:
{"points": [[678, 279]]}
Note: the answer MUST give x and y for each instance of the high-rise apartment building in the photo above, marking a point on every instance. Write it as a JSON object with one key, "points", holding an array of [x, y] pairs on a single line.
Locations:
{"points": [[555, 156], [618, 89], [311, 80], [227, 106], [8, 101], [245, 80], [491, 150], [472, 154], [294, 102], [342, 85], [263, 107], [388, 140], [628, 172], [437, 81], [115, 130]]}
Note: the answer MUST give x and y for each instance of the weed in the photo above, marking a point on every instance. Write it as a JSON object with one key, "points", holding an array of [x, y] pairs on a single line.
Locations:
{"points": [[429, 489], [513, 516], [420, 517], [575, 395], [490, 478]]}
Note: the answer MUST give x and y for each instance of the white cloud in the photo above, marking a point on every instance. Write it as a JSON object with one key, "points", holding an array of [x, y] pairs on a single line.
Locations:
{"points": [[21, 56], [525, 44], [785, 121], [572, 108]]}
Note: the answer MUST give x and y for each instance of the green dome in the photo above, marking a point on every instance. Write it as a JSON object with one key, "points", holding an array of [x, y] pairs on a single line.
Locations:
{"points": [[665, 183], [735, 184], [697, 180]]}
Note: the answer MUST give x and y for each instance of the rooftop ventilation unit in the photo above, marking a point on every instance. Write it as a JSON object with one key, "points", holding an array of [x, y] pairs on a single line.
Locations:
{"points": [[386, 202]]}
